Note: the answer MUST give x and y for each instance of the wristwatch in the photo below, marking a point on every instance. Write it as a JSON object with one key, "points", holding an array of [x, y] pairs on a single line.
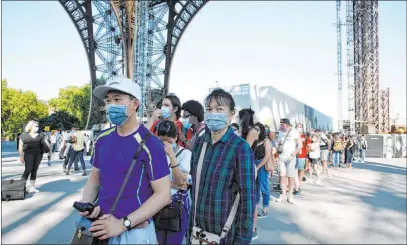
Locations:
{"points": [[127, 223]]}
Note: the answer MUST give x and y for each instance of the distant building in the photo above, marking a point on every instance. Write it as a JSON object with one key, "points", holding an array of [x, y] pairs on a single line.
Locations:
{"points": [[271, 105]]}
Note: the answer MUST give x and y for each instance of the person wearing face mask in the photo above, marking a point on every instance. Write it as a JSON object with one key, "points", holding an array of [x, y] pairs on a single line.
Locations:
{"points": [[235, 128], [289, 145], [31, 152], [148, 188], [192, 121], [171, 111], [179, 163], [222, 169]]}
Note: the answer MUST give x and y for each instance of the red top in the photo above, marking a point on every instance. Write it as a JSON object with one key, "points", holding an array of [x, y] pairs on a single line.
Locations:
{"points": [[179, 127], [303, 152]]}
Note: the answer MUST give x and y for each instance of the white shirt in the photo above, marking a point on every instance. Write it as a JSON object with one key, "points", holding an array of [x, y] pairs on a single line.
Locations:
{"points": [[315, 152], [290, 144], [184, 161], [53, 139]]}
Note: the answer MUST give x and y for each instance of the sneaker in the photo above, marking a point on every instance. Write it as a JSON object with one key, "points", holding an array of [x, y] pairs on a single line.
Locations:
{"points": [[281, 198], [262, 215], [254, 237], [297, 193], [33, 189], [290, 198], [84, 174]]}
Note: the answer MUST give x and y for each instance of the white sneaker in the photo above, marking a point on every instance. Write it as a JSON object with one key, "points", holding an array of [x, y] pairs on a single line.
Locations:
{"points": [[33, 189]]}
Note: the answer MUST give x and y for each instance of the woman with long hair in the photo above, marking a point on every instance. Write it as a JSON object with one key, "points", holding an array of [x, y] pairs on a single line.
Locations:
{"points": [[246, 121], [262, 154], [31, 151]]}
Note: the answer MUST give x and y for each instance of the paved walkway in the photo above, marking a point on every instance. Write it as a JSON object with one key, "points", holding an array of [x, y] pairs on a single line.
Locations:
{"points": [[363, 205]]}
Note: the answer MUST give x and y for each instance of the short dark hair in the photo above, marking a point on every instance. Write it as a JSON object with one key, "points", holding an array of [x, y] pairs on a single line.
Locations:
{"points": [[222, 98], [235, 125], [194, 108], [175, 101], [167, 128]]}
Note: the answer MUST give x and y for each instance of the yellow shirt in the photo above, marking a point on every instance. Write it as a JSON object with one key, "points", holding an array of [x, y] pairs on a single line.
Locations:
{"points": [[80, 139]]}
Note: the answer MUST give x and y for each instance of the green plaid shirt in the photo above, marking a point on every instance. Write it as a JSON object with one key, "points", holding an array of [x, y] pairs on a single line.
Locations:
{"points": [[228, 169]]}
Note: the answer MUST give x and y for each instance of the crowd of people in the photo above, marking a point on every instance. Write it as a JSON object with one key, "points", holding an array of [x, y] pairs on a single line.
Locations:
{"points": [[192, 159]]}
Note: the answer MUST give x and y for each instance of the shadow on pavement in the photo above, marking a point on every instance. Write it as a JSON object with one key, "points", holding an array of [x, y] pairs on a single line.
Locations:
{"points": [[382, 168], [64, 185]]}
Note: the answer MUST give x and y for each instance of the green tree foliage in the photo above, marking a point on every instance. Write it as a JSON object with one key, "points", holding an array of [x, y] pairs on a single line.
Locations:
{"points": [[17, 108], [75, 101], [60, 120]]}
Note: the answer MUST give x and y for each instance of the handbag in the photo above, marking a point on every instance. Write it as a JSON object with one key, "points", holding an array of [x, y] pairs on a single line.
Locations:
{"points": [[44, 145], [280, 147], [13, 189], [200, 236], [170, 218], [82, 234]]}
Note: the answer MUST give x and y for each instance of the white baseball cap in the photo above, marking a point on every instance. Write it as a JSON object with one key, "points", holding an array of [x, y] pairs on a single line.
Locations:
{"points": [[122, 84]]}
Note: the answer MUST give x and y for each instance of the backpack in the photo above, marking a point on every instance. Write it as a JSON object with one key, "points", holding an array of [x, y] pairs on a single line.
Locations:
{"points": [[337, 146]]}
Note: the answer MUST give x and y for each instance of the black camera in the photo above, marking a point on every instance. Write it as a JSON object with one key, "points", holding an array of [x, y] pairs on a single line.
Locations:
{"points": [[83, 207]]}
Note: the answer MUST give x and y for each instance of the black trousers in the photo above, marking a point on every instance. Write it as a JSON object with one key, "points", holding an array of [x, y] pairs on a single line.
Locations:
{"points": [[32, 163]]}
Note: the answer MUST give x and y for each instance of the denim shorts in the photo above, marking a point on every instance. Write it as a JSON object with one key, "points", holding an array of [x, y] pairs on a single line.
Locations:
{"points": [[300, 165]]}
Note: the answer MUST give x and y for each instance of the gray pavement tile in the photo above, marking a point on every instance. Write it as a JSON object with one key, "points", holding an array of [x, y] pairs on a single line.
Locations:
{"points": [[364, 205]]}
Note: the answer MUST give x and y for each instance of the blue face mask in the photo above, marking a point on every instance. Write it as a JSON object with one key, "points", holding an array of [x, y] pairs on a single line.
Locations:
{"points": [[216, 121], [186, 124], [117, 114], [165, 112]]}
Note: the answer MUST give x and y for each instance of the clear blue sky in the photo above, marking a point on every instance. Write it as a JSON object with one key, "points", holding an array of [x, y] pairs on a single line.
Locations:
{"points": [[289, 45]]}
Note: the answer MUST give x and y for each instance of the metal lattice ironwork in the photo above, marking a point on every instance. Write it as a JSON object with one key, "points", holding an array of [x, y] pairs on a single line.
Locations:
{"points": [[100, 36], [350, 63], [384, 116], [339, 61], [166, 23], [366, 63]]}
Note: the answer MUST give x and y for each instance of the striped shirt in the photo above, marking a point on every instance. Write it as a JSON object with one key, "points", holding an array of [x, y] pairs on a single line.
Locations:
{"points": [[228, 168]]}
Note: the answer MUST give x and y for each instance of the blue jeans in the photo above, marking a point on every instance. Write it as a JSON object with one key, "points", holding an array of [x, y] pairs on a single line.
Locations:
{"points": [[362, 154], [75, 154], [349, 156], [336, 158], [262, 186]]}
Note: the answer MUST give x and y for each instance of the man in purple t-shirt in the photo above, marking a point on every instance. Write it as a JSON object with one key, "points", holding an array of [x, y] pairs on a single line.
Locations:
{"points": [[148, 189]]}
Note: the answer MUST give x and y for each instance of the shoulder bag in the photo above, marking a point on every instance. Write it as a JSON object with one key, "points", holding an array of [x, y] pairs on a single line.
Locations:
{"points": [[44, 145], [82, 234], [270, 164], [170, 218], [200, 236], [280, 147]]}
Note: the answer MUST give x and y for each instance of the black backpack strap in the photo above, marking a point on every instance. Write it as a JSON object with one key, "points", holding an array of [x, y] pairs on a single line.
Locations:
{"points": [[179, 152]]}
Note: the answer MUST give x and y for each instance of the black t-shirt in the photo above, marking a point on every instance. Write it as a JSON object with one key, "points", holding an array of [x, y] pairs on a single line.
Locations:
{"points": [[31, 145]]}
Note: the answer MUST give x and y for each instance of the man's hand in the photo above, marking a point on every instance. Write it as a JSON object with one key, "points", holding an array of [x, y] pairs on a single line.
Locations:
{"points": [[93, 215], [107, 226], [156, 114], [22, 159], [182, 137]]}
